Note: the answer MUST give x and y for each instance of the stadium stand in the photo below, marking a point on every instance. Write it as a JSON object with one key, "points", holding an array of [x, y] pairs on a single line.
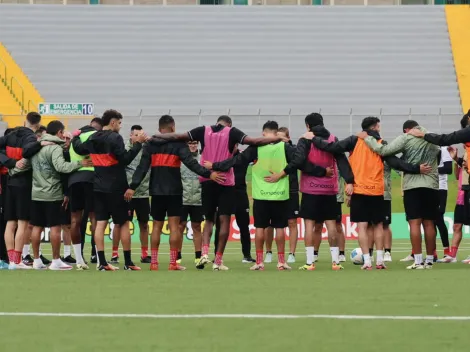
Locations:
{"points": [[199, 62]]}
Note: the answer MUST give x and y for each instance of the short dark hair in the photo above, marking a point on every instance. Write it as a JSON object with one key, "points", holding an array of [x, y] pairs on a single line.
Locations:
{"points": [[8, 130], [369, 122], [409, 124], [225, 119], [166, 121], [314, 119], [285, 130], [97, 120], [33, 118], [464, 120], [41, 129], [271, 125], [110, 114], [136, 127], [54, 127]]}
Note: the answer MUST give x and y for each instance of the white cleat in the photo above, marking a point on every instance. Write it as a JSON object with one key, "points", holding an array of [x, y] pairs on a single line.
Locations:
{"points": [[82, 267], [23, 266], [291, 258], [283, 266], [259, 267], [12, 266], [428, 266], [220, 267], [415, 266], [387, 257], [342, 258], [268, 258], [61, 266], [39, 266], [408, 258], [467, 260], [447, 259]]}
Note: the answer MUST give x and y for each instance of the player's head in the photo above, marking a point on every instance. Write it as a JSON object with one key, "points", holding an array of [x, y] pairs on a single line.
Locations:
{"points": [[68, 138], [136, 131], [371, 123], [409, 124], [56, 128], [166, 124], [224, 120], [97, 123], [283, 132], [270, 128], [33, 120], [40, 131], [464, 120], [193, 146], [312, 120], [112, 120]]}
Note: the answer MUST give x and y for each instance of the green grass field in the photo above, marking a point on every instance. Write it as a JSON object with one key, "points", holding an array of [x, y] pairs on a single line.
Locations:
{"points": [[395, 292]]}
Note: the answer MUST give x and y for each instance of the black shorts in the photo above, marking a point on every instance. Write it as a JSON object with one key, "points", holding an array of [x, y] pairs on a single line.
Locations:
{"points": [[367, 209], [65, 215], [339, 213], [270, 213], [460, 215], [442, 200], [81, 197], [293, 206], [46, 214], [217, 198], [163, 206], [387, 208], [195, 213], [18, 203], [141, 207], [111, 205], [318, 207], [421, 203]]}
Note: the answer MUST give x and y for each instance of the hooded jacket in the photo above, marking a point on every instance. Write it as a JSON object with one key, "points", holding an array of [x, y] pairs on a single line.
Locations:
{"points": [[191, 185], [47, 165], [143, 190]]}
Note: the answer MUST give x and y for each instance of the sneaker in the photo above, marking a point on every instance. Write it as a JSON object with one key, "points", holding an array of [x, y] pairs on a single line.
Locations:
{"points": [[114, 259], [28, 260], [307, 267], [220, 267], [132, 267], [428, 265], [315, 258], [23, 266], [268, 257], [60, 266], [408, 258], [336, 267], [248, 260], [415, 266], [283, 266], [291, 258], [202, 262], [366, 267], [3, 265], [44, 260], [82, 267], [154, 267], [259, 267], [466, 260], [68, 260], [447, 259], [94, 259], [342, 258], [146, 260], [12, 266], [176, 267], [39, 266], [387, 257], [380, 266], [108, 267]]}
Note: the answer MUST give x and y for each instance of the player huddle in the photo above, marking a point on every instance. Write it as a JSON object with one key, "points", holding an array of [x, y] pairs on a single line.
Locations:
{"points": [[51, 180]]}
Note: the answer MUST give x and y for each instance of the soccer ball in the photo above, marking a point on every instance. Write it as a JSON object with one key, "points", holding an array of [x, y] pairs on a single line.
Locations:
{"points": [[357, 257]]}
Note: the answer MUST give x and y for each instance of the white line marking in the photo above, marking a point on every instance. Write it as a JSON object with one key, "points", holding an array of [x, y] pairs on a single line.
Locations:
{"points": [[235, 316]]}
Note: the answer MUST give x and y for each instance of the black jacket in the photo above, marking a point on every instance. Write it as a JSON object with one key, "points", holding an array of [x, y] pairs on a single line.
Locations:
{"points": [[461, 136], [110, 158], [20, 143], [82, 176], [240, 175], [165, 160]]}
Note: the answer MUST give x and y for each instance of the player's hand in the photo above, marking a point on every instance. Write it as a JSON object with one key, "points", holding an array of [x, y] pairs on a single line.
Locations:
{"points": [[86, 162], [453, 153], [76, 133], [329, 172], [362, 135], [65, 203], [217, 177], [142, 138], [208, 165], [308, 135], [416, 132], [425, 169], [129, 194], [283, 139], [349, 189], [348, 202], [21, 164], [46, 143], [274, 177]]}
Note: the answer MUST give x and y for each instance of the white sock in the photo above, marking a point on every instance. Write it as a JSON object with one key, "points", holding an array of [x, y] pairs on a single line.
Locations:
{"points": [[334, 254], [419, 258], [77, 249], [380, 257], [429, 258], [38, 261], [310, 251], [40, 249], [97, 257], [367, 261], [25, 250], [66, 250]]}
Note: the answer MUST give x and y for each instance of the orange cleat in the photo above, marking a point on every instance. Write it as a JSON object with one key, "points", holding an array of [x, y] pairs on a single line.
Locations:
{"points": [[154, 267], [176, 267]]}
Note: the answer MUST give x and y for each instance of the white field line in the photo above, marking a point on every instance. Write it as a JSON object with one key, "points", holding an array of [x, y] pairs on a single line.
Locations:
{"points": [[235, 316]]}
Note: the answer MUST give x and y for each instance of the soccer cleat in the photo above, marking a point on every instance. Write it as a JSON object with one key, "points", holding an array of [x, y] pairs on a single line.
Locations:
{"points": [[39, 266], [178, 261], [248, 260], [202, 262], [380, 266], [259, 267], [291, 258], [23, 266], [82, 267], [466, 260], [196, 260], [315, 258], [59, 267], [114, 259], [68, 260], [146, 260], [12, 266], [283, 266], [44, 260], [336, 267], [307, 267], [132, 267], [428, 266], [176, 267], [447, 259], [28, 260], [3, 265], [387, 257], [366, 267], [269, 257], [408, 258], [220, 267], [154, 267], [415, 266], [108, 267], [94, 259], [342, 258]]}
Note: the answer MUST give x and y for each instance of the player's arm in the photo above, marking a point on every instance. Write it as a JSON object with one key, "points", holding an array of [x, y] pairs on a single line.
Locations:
{"points": [[446, 169], [346, 145], [249, 155], [9, 163], [394, 147], [142, 168], [460, 136], [174, 137], [124, 156], [456, 171], [60, 164], [31, 146], [191, 163], [401, 165], [79, 147], [344, 168], [298, 157]]}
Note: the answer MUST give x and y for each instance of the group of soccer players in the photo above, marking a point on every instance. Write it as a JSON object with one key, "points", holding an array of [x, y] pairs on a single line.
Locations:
{"points": [[52, 179]]}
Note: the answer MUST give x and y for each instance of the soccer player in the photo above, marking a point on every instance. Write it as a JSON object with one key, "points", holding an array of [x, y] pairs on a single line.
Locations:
{"points": [[110, 158], [368, 190], [217, 143], [421, 196], [387, 208], [341, 238], [166, 188], [47, 193]]}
